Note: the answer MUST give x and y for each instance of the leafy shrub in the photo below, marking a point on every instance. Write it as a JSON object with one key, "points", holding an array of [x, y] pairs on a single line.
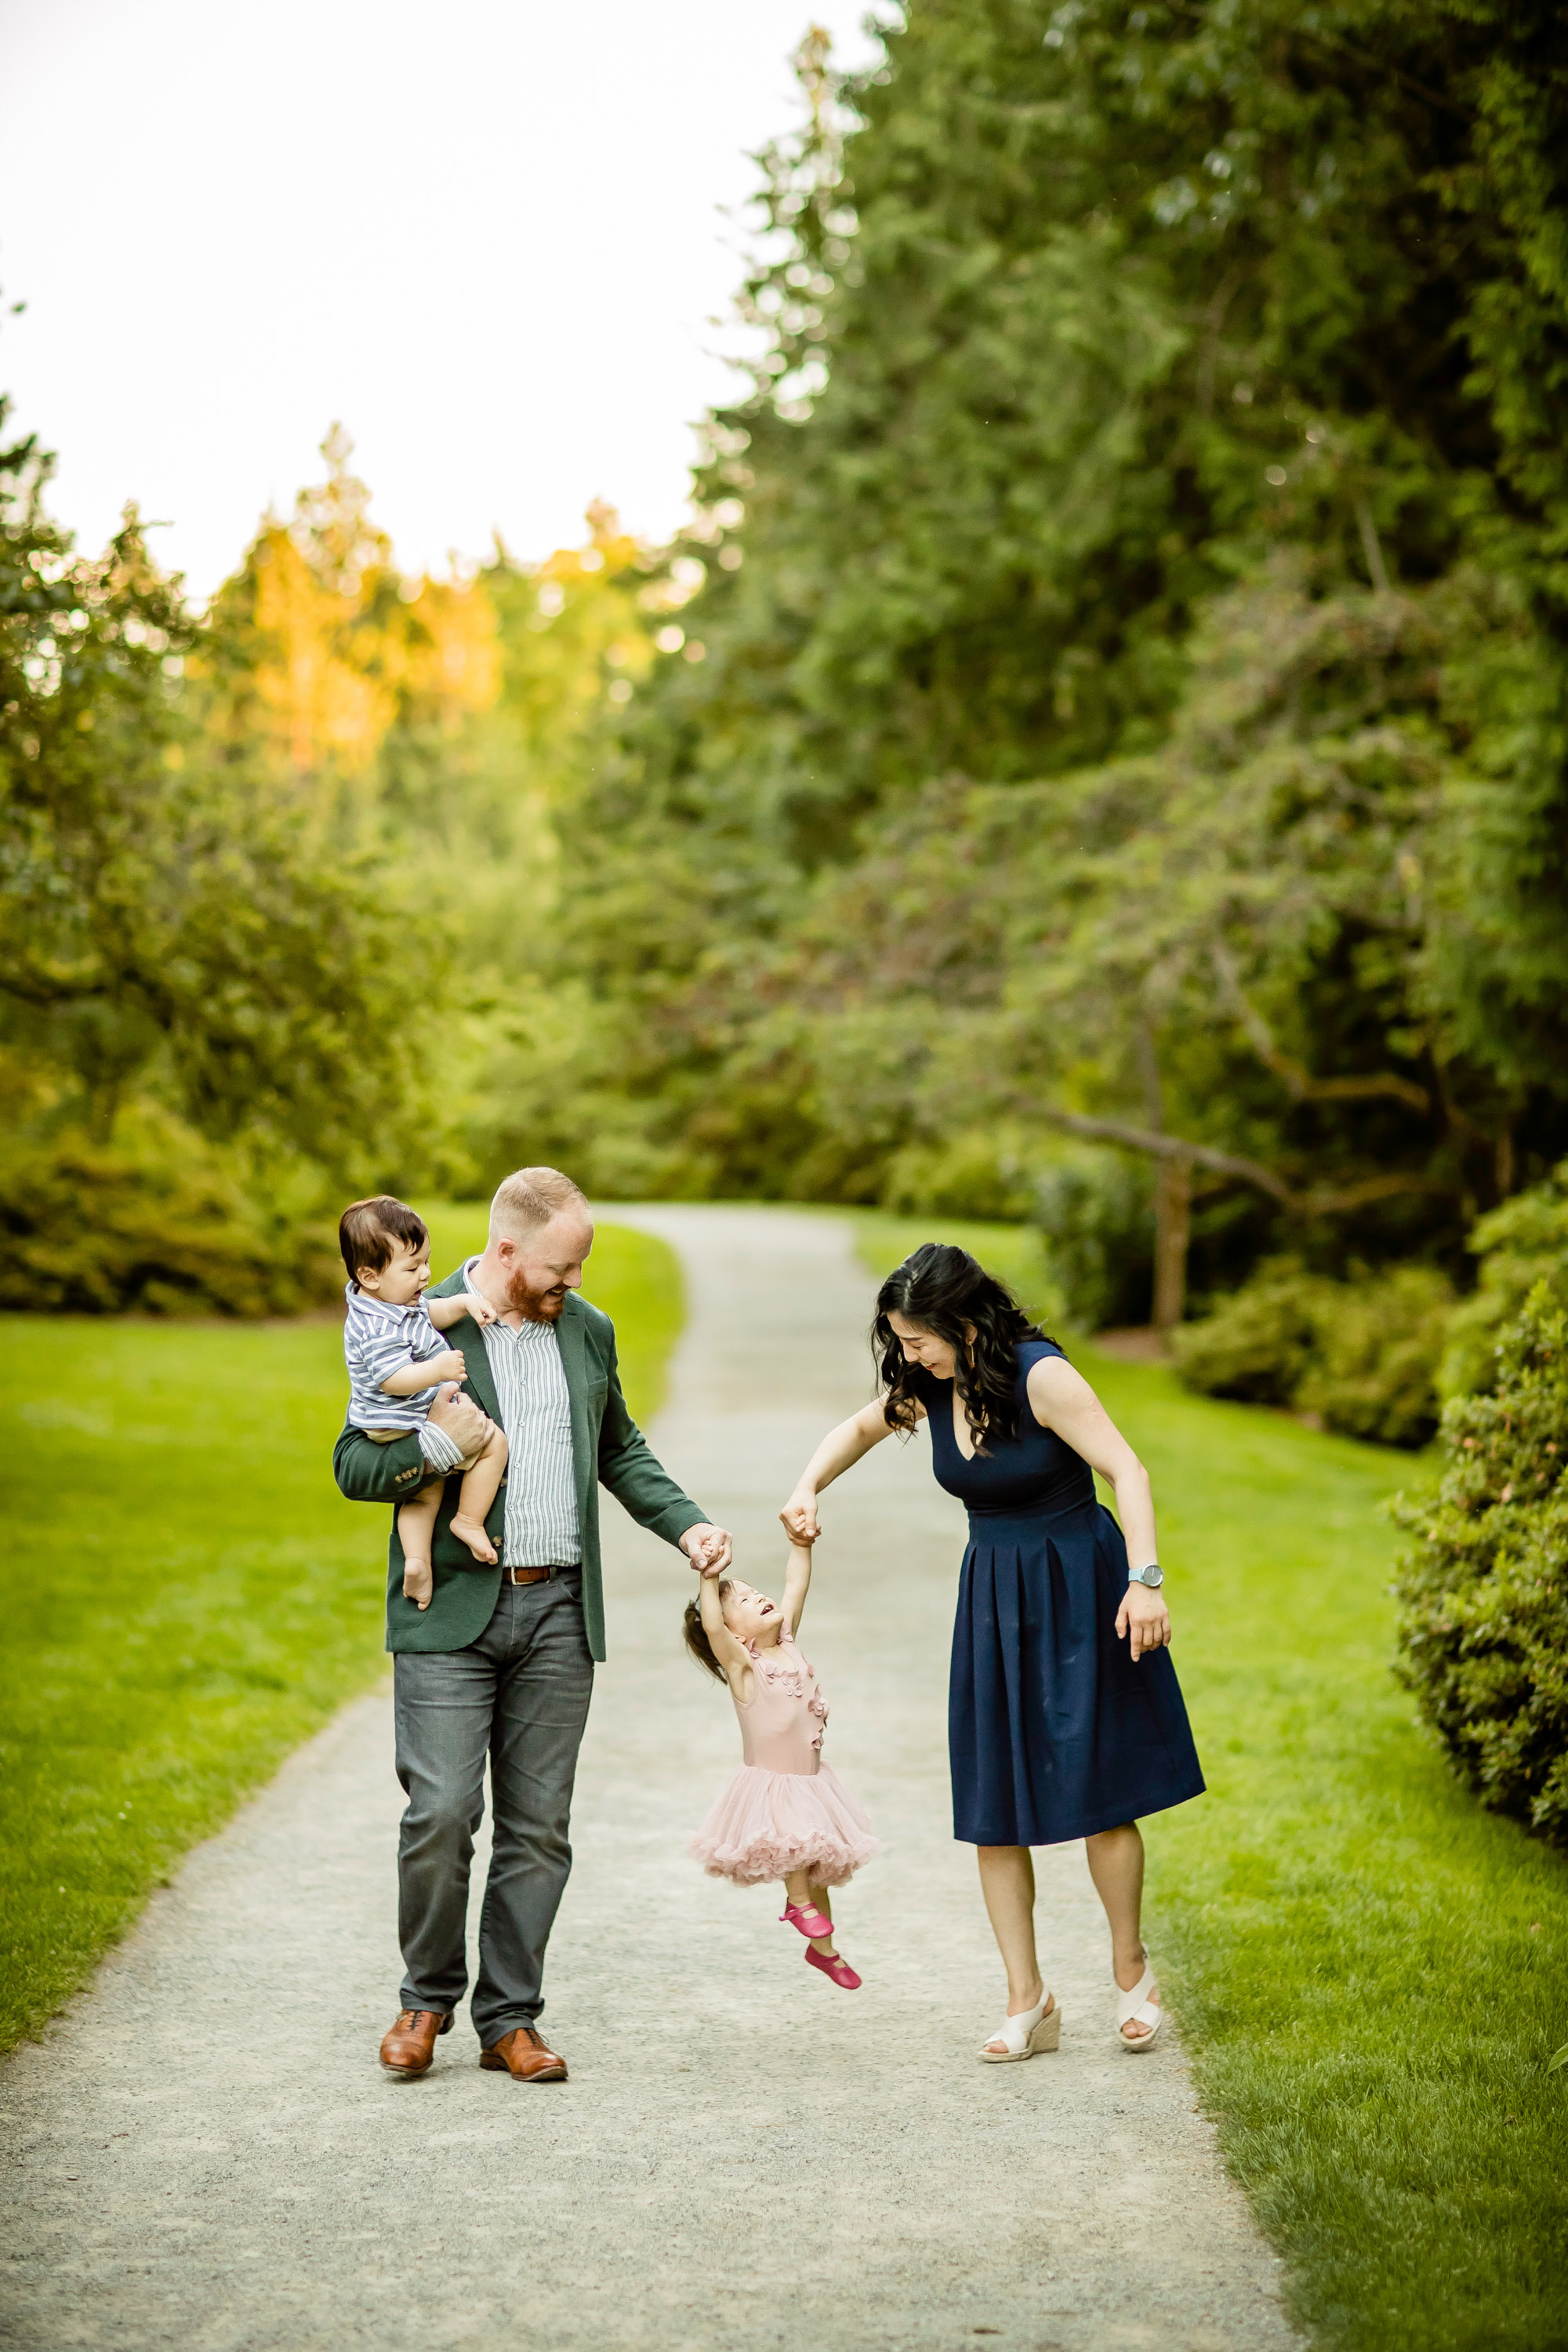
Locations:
{"points": [[967, 1176], [1361, 1354], [155, 1224], [1095, 1216], [1483, 1633], [1520, 1244], [1259, 1343], [1374, 1369]]}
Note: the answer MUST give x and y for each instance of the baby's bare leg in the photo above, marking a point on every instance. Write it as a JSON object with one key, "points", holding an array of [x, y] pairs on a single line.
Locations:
{"points": [[415, 1526], [479, 1492]]}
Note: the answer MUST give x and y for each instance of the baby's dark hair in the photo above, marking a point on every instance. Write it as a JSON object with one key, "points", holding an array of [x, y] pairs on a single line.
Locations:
{"points": [[368, 1232], [696, 1633]]}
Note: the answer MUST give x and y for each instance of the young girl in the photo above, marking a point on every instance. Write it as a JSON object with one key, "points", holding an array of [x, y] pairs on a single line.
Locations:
{"points": [[785, 1814]]}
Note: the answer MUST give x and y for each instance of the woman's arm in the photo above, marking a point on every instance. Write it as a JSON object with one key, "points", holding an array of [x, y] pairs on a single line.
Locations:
{"points": [[797, 1584], [839, 1451], [1062, 1399], [732, 1655]]}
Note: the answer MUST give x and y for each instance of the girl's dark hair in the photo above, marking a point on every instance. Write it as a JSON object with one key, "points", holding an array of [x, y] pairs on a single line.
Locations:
{"points": [[696, 1633], [943, 1289]]}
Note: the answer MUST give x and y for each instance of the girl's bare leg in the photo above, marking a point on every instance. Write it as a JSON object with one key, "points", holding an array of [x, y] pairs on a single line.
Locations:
{"points": [[801, 1887], [479, 1489], [1116, 1866], [415, 1526], [1007, 1883]]}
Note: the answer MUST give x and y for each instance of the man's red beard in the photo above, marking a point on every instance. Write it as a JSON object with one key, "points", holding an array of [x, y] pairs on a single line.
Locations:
{"points": [[534, 1305]]}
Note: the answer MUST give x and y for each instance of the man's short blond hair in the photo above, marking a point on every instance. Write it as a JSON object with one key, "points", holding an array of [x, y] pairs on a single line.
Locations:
{"points": [[529, 1198]]}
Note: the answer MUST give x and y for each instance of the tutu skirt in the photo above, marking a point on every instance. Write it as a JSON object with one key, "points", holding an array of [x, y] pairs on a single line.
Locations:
{"points": [[766, 1825]]}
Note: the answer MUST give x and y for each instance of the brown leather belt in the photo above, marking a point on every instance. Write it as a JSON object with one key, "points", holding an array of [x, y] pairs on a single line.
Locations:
{"points": [[534, 1575]]}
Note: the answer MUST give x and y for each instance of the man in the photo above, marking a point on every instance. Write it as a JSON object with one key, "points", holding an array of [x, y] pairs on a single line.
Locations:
{"points": [[502, 1660]]}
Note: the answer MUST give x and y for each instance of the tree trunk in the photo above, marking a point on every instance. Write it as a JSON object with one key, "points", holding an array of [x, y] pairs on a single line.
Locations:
{"points": [[1173, 1224], [1173, 1198]]}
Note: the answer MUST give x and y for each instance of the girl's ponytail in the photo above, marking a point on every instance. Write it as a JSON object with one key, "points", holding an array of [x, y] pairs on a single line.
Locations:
{"points": [[696, 1633]]}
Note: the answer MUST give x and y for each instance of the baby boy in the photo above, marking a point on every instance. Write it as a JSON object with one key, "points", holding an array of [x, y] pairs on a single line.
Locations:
{"points": [[397, 1361]]}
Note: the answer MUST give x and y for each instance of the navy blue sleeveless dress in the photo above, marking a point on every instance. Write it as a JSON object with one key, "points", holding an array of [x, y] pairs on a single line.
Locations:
{"points": [[1053, 1732]]}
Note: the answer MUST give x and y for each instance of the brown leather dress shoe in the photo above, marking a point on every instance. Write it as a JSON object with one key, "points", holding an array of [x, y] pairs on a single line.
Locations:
{"points": [[409, 2042], [525, 2053]]}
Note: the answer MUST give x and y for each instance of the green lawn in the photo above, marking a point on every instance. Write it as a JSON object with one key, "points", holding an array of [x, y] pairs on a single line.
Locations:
{"points": [[174, 1628], [1369, 1969]]}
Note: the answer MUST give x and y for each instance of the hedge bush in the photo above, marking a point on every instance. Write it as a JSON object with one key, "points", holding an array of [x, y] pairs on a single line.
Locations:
{"points": [[1521, 1243], [158, 1223], [1096, 1217], [1483, 1633], [1360, 1355]]}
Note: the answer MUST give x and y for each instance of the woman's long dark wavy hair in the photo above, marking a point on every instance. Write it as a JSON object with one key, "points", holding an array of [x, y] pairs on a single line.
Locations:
{"points": [[945, 1290]]}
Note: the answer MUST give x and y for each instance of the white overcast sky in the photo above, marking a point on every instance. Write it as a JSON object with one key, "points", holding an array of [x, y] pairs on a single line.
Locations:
{"points": [[489, 237]]}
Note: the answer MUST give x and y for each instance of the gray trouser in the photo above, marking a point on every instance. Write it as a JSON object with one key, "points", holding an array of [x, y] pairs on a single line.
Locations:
{"points": [[520, 1694]]}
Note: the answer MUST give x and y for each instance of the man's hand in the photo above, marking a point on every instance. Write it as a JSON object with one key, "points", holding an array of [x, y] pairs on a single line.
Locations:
{"points": [[798, 1517], [1145, 1618], [460, 1419], [710, 1549]]}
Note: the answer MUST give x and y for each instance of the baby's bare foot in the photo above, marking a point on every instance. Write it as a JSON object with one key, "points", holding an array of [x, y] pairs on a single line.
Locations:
{"points": [[472, 1533], [418, 1584]]}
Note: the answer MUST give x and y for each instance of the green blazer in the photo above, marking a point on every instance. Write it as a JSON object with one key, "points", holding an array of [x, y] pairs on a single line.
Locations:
{"points": [[607, 1449]]}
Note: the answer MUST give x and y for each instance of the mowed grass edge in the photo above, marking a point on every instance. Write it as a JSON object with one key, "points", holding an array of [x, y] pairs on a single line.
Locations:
{"points": [[1368, 1969], [188, 1597]]}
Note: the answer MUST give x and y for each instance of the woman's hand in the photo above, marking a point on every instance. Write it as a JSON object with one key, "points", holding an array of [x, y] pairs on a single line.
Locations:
{"points": [[798, 1517], [1143, 1619]]}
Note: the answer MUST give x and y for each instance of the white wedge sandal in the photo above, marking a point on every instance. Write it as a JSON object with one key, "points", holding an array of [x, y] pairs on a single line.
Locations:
{"points": [[1137, 2008], [1031, 2033]]}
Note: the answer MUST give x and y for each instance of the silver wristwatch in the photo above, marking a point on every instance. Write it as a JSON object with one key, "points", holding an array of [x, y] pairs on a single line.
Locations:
{"points": [[1153, 1576]]}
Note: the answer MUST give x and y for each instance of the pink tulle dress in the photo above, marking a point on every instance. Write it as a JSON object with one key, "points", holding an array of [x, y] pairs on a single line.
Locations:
{"points": [[784, 1809]]}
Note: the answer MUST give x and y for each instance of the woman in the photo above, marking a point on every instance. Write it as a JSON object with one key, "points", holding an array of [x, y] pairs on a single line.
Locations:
{"points": [[1065, 1718]]}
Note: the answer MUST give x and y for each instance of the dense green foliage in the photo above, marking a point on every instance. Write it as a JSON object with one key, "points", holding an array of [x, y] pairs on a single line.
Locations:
{"points": [[1133, 645], [1521, 1243], [1484, 1629], [1362, 1355], [187, 981], [173, 1631], [1369, 1970], [1098, 753]]}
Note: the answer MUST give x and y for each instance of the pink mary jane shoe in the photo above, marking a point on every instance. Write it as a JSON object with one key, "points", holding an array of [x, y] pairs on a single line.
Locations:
{"points": [[835, 1965], [807, 1918]]}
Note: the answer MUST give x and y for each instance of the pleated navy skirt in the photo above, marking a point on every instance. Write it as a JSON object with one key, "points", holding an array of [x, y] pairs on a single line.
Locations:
{"points": [[1054, 1733]]}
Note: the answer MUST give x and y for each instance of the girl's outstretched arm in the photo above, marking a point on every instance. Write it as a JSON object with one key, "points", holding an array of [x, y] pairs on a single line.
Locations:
{"points": [[839, 1451], [797, 1584], [732, 1655]]}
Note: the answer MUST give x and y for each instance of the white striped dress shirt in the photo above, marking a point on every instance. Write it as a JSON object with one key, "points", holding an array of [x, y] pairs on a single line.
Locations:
{"points": [[542, 1527]]}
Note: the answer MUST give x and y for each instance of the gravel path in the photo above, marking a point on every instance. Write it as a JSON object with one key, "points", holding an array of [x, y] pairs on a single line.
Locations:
{"points": [[203, 2154]]}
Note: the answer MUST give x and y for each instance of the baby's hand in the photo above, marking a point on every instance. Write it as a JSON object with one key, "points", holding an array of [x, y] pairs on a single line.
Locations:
{"points": [[479, 1309], [447, 1366]]}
